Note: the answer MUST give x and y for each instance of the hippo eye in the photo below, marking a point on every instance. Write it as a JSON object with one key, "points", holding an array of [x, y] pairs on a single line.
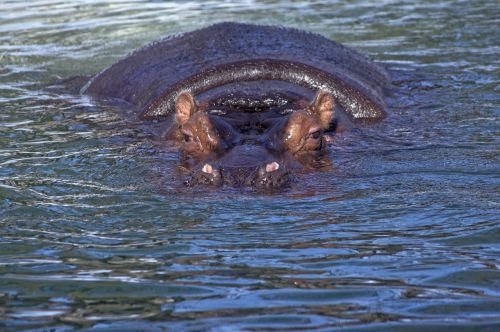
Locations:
{"points": [[187, 135], [315, 135]]}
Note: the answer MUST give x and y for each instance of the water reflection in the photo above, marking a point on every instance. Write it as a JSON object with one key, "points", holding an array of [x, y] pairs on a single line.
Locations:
{"points": [[97, 233]]}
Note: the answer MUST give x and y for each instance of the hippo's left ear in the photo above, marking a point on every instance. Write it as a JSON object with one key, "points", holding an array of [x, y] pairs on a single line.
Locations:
{"points": [[185, 106], [322, 107]]}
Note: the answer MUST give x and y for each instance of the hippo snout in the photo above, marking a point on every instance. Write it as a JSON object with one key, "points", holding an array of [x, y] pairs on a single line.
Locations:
{"points": [[206, 175], [270, 175]]}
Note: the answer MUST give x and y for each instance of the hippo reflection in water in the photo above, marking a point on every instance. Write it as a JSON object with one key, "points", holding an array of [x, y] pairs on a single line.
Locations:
{"points": [[247, 104]]}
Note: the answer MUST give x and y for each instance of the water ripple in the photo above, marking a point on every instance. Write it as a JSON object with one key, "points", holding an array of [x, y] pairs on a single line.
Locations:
{"points": [[400, 232]]}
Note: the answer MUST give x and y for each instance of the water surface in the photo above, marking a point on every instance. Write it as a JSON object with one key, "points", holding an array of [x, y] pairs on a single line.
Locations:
{"points": [[401, 233]]}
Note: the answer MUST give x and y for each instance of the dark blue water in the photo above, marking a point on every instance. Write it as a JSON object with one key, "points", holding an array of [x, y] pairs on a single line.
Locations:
{"points": [[401, 233]]}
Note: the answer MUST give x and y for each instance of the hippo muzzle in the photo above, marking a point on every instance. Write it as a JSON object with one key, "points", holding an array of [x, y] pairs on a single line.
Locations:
{"points": [[244, 166]]}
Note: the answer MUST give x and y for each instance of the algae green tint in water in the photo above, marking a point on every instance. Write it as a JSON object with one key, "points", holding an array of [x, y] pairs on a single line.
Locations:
{"points": [[401, 233]]}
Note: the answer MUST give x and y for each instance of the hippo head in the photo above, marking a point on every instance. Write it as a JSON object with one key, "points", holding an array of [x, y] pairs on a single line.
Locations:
{"points": [[258, 149]]}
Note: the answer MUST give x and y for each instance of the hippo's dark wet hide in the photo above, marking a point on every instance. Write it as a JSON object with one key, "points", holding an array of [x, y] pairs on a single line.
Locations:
{"points": [[251, 103], [225, 56]]}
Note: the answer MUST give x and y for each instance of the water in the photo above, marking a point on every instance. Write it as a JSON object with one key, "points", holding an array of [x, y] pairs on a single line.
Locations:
{"points": [[401, 233]]}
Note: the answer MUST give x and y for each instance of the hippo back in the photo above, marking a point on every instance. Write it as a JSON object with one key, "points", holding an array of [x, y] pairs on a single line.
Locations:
{"points": [[144, 75]]}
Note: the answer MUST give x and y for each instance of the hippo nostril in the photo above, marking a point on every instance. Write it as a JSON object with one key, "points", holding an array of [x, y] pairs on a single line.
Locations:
{"points": [[271, 176], [271, 167], [207, 168], [207, 175]]}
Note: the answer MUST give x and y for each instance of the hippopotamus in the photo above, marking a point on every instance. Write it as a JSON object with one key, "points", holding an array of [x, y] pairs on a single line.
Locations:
{"points": [[246, 104]]}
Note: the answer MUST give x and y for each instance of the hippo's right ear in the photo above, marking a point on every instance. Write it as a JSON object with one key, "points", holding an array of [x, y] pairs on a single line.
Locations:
{"points": [[185, 106], [322, 106]]}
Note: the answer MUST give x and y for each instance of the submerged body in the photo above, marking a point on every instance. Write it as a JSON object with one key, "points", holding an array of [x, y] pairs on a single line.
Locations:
{"points": [[246, 103]]}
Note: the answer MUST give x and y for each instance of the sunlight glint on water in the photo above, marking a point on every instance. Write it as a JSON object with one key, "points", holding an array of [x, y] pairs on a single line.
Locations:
{"points": [[97, 230]]}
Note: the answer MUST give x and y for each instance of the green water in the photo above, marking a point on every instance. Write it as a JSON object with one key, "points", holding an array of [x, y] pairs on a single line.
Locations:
{"points": [[402, 234]]}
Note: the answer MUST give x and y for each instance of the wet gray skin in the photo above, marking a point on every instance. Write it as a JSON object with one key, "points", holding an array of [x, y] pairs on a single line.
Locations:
{"points": [[291, 82], [153, 77]]}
